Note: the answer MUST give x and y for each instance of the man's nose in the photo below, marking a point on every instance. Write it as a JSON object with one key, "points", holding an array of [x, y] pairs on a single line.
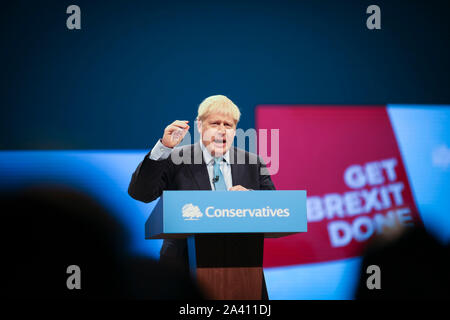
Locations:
{"points": [[222, 129]]}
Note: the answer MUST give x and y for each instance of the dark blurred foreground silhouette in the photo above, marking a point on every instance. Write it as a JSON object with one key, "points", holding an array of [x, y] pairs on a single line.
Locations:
{"points": [[47, 229], [413, 265]]}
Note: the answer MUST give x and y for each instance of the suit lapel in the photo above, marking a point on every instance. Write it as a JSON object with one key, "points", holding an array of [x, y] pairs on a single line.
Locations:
{"points": [[199, 171], [235, 168]]}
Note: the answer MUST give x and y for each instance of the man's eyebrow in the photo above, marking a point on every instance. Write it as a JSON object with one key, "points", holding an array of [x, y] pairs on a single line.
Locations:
{"points": [[219, 120]]}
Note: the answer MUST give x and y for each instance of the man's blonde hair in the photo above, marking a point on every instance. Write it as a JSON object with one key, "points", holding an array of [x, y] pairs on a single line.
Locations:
{"points": [[220, 104]]}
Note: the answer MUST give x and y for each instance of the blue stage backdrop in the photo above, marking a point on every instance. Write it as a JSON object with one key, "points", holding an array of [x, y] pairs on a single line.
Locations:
{"points": [[135, 66]]}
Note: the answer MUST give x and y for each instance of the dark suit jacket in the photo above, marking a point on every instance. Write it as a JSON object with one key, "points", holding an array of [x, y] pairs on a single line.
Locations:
{"points": [[152, 177]]}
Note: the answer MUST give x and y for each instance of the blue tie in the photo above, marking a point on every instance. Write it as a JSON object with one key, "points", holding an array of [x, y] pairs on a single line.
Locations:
{"points": [[220, 183]]}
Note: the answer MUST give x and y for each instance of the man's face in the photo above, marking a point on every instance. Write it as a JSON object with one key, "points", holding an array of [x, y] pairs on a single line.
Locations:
{"points": [[217, 131]]}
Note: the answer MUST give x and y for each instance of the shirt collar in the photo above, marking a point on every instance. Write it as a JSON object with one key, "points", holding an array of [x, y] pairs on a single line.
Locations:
{"points": [[208, 157]]}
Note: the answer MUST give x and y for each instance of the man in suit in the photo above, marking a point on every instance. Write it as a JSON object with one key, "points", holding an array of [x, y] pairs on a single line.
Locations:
{"points": [[210, 164]]}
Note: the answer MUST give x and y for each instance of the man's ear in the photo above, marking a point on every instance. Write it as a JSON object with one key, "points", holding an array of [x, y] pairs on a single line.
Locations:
{"points": [[199, 126]]}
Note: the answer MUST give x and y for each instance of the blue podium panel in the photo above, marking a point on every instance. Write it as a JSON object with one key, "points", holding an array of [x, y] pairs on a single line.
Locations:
{"points": [[184, 213]]}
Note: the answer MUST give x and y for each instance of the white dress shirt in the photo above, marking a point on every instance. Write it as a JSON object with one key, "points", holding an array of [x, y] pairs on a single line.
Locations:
{"points": [[161, 152]]}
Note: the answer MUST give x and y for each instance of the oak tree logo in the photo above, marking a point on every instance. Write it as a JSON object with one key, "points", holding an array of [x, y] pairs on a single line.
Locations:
{"points": [[191, 212]]}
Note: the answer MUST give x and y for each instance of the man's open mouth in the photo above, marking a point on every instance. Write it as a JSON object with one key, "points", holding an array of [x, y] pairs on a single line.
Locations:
{"points": [[220, 142]]}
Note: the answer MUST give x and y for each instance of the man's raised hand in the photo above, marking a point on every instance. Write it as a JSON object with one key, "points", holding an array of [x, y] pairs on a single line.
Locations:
{"points": [[174, 133]]}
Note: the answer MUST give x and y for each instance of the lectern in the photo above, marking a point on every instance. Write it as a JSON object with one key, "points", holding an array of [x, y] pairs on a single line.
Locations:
{"points": [[225, 233]]}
